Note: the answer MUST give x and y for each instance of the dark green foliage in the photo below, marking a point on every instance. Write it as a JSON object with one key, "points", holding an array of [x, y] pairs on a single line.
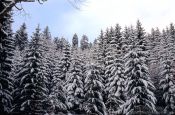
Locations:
{"points": [[75, 41], [139, 88], [94, 103], [75, 86], [21, 37], [65, 61], [31, 85], [6, 56], [84, 42]]}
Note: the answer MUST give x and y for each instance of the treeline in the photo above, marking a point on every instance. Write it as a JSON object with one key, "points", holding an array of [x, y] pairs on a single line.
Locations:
{"points": [[122, 72]]}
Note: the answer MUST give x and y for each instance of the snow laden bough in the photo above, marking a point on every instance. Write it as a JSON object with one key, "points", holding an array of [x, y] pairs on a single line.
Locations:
{"points": [[93, 92], [139, 88]]}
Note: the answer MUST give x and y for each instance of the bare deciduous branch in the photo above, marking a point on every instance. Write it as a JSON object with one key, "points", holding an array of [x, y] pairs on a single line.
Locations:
{"points": [[75, 3], [18, 7]]}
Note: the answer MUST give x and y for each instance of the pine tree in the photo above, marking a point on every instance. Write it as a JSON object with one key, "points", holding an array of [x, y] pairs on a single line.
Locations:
{"points": [[155, 45], [21, 37], [126, 34], [47, 50], [58, 92], [115, 80], [154, 61], [57, 43], [17, 66], [58, 95], [93, 92], [84, 43], [60, 43], [6, 56], [74, 48], [46, 33], [94, 52], [65, 61], [108, 35], [129, 37], [102, 58], [109, 58], [83, 67], [74, 86], [139, 88], [90, 45], [17, 59], [168, 86], [101, 51], [154, 51], [167, 83], [75, 41], [31, 85], [171, 39]]}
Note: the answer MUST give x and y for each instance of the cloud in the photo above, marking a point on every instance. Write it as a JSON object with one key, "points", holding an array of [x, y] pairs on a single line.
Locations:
{"points": [[64, 20], [100, 14]]}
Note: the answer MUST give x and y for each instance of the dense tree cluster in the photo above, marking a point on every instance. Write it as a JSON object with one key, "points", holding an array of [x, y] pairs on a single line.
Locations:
{"points": [[124, 71]]}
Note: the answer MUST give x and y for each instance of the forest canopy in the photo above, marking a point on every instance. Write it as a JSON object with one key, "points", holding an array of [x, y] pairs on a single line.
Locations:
{"points": [[125, 71]]}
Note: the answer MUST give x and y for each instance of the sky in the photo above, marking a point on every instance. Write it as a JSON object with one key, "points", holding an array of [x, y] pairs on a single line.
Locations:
{"points": [[64, 20]]}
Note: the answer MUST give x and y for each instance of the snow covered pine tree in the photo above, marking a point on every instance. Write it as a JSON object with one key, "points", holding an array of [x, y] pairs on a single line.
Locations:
{"points": [[65, 61], [74, 86], [167, 83], [93, 92], [115, 81], [139, 88], [31, 81], [6, 56], [21, 37]]}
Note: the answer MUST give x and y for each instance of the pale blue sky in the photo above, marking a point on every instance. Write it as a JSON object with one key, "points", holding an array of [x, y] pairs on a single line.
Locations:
{"points": [[64, 20]]}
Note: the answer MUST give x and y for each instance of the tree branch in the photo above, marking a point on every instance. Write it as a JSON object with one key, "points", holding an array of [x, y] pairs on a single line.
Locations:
{"points": [[7, 9], [18, 7], [10, 5]]}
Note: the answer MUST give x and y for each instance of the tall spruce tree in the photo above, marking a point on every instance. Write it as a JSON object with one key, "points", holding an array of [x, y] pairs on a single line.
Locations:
{"points": [[74, 86], [156, 41], [65, 61], [171, 39], [58, 91], [46, 33], [74, 48], [115, 80], [168, 87], [17, 66], [139, 88], [6, 56], [154, 52], [94, 52], [75, 41], [21, 37], [47, 50], [93, 103], [109, 58], [84, 42], [167, 83], [102, 52], [102, 57], [31, 85], [60, 43]]}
